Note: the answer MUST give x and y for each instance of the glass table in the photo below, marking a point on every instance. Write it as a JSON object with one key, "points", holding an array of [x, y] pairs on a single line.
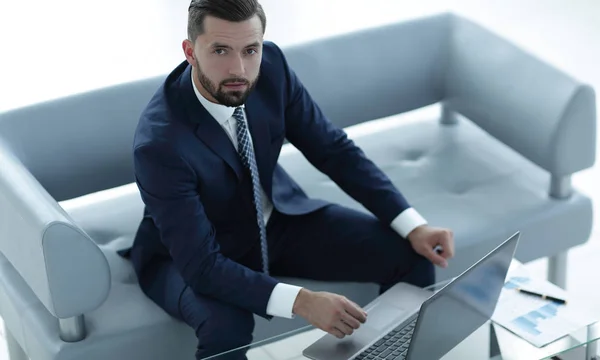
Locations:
{"points": [[490, 342]]}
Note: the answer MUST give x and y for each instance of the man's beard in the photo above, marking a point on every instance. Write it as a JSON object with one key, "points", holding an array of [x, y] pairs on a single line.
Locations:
{"points": [[223, 97]]}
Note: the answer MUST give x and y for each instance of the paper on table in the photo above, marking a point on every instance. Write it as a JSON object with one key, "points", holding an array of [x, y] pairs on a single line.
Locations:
{"points": [[537, 321]]}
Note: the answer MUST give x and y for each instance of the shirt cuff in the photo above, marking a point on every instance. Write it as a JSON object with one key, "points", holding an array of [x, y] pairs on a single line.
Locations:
{"points": [[281, 302], [407, 221]]}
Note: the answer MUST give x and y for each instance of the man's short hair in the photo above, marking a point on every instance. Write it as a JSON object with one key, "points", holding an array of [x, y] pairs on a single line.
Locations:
{"points": [[230, 10]]}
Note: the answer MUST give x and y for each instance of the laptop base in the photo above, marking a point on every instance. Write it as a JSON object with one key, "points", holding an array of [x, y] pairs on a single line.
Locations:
{"points": [[395, 306]]}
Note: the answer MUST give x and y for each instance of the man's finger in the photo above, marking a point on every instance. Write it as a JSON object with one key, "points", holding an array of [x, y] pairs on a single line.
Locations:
{"points": [[436, 259], [355, 311], [447, 247], [358, 307], [351, 321], [337, 333], [344, 328]]}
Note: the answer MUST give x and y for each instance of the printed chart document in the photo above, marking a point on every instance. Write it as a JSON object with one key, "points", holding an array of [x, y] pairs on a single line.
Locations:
{"points": [[534, 319]]}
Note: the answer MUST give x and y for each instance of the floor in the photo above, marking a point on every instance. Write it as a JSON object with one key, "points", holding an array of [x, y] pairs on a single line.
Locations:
{"points": [[52, 49]]}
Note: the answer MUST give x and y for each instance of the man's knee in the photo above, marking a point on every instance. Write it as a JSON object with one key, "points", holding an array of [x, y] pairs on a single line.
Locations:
{"points": [[225, 331], [219, 327], [420, 272]]}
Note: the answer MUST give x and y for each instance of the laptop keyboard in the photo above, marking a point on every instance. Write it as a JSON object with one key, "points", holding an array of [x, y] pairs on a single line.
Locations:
{"points": [[393, 346]]}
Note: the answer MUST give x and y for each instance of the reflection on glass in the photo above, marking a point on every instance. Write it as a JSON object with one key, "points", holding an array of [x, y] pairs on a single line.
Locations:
{"points": [[462, 306]]}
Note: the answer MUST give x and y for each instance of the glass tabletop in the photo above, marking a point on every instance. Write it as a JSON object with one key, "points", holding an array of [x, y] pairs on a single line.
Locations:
{"points": [[490, 342]]}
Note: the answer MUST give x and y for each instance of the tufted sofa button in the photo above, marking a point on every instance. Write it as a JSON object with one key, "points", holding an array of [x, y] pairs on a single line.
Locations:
{"points": [[413, 155], [460, 188]]}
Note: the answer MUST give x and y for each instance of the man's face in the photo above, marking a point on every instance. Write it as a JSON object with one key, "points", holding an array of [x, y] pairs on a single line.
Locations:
{"points": [[227, 59]]}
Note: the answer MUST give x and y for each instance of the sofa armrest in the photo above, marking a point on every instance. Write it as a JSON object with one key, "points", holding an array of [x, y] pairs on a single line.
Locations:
{"points": [[60, 263], [539, 111]]}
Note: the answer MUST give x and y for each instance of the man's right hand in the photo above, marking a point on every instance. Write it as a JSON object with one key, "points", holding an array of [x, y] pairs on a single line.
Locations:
{"points": [[329, 312]]}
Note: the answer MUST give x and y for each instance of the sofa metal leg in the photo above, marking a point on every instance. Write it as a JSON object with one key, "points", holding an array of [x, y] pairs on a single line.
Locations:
{"points": [[561, 187], [448, 116], [557, 269], [72, 329], [15, 351]]}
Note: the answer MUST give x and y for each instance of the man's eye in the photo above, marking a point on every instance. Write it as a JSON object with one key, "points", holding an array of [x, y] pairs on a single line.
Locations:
{"points": [[220, 51], [251, 51]]}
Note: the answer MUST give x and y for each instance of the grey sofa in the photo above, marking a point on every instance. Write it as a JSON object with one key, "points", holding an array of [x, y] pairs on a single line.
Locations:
{"points": [[479, 135]]}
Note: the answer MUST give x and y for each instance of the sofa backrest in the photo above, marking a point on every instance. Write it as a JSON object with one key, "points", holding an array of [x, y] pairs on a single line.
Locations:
{"points": [[377, 72], [82, 143]]}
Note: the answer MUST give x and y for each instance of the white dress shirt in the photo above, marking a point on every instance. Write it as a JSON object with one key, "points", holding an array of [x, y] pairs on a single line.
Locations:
{"points": [[284, 295]]}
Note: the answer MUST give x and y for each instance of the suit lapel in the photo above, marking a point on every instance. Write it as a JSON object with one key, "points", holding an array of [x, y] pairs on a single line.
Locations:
{"points": [[258, 123], [208, 129]]}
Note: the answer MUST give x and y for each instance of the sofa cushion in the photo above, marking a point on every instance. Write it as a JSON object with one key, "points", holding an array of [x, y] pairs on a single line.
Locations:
{"points": [[458, 176]]}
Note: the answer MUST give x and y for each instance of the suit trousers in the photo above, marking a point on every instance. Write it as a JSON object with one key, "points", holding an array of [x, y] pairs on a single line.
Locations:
{"points": [[334, 243]]}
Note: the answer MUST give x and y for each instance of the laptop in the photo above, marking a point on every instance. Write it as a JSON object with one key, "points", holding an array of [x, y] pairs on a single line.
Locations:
{"points": [[410, 323]]}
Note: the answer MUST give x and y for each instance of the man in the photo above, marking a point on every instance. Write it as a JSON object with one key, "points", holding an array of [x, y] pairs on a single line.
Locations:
{"points": [[222, 218]]}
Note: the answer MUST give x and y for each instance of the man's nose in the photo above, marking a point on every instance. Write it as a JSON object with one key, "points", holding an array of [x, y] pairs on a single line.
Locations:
{"points": [[236, 67]]}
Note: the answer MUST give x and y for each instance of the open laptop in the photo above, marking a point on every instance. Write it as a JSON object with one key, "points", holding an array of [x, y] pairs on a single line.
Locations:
{"points": [[409, 323]]}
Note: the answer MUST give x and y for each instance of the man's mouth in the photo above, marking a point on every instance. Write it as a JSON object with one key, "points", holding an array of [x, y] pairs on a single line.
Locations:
{"points": [[235, 85]]}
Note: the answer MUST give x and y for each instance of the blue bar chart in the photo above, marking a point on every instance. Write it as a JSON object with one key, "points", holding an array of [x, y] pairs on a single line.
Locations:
{"points": [[530, 321], [534, 319]]}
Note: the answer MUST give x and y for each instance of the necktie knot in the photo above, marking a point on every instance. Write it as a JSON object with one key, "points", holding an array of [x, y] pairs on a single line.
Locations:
{"points": [[238, 114]]}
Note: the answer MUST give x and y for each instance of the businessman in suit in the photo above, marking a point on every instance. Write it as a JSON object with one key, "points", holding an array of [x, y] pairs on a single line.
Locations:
{"points": [[222, 217]]}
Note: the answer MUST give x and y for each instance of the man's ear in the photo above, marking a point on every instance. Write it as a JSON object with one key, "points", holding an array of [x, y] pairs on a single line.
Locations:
{"points": [[188, 51]]}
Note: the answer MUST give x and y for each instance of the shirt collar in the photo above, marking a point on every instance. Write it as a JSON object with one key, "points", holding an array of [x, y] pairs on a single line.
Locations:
{"points": [[221, 113]]}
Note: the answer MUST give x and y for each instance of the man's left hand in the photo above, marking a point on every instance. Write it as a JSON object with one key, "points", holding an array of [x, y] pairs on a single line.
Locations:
{"points": [[424, 239]]}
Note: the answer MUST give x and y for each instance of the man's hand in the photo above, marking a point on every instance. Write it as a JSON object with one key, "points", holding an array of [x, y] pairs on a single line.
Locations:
{"points": [[329, 312], [424, 239]]}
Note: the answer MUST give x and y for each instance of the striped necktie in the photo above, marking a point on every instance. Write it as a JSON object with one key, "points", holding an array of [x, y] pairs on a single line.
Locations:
{"points": [[247, 155]]}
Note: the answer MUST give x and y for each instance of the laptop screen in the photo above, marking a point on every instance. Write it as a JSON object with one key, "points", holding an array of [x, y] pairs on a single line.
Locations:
{"points": [[462, 306]]}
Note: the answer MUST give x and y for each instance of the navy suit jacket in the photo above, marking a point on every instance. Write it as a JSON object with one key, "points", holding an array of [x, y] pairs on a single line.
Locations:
{"points": [[198, 196]]}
